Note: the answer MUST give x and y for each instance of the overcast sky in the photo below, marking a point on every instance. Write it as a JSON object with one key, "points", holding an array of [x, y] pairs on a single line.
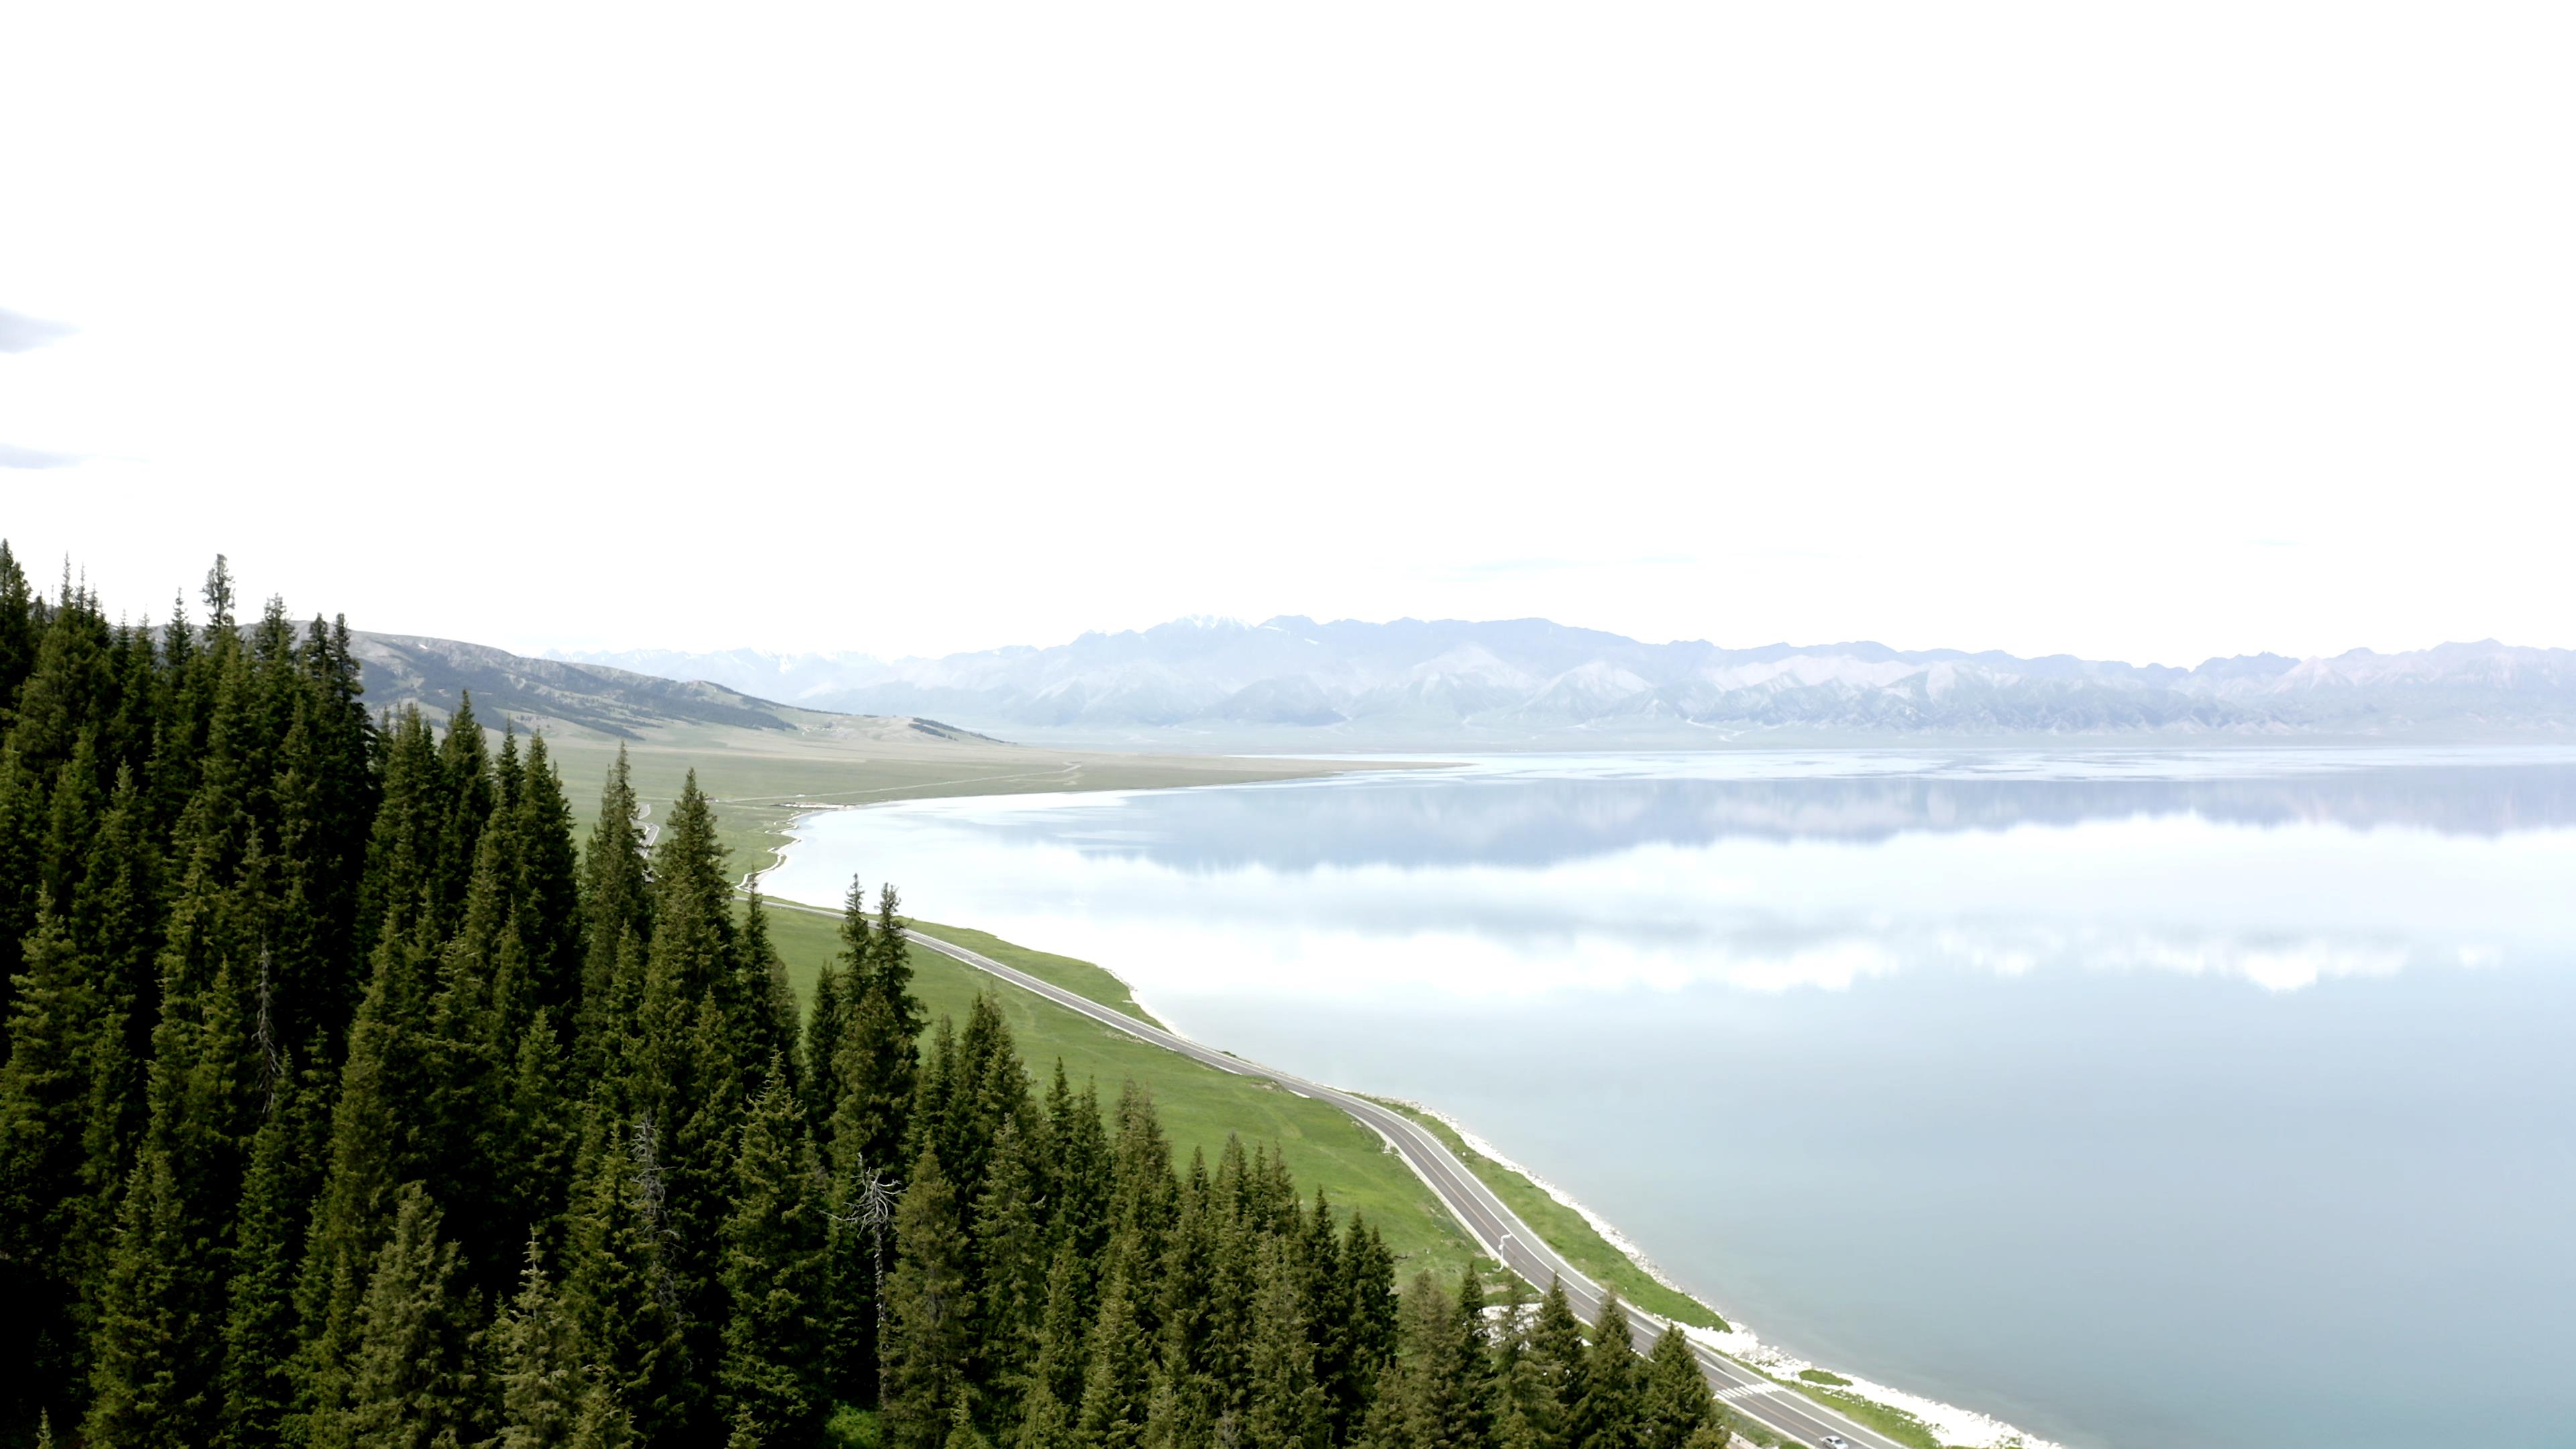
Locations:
{"points": [[2144, 332]]}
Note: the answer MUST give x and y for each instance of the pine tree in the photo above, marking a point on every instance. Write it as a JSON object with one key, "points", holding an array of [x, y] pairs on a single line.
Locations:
{"points": [[68, 686], [1556, 1366], [547, 1393], [44, 1215], [1143, 1193], [261, 1333], [144, 1389], [1057, 1354], [1606, 1409], [23, 820], [892, 970], [1322, 1292], [859, 1229], [693, 949], [460, 1125], [1078, 1166], [1440, 1411], [1521, 1410], [934, 1092], [618, 1291], [1471, 1350], [1368, 1297], [1187, 1396], [467, 791], [411, 1381], [404, 861], [693, 1032], [1117, 1382], [768, 1002], [878, 1066], [542, 1126], [617, 920], [1674, 1400], [772, 1272], [1283, 1403], [962, 1433], [1387, 1422], [827, 1020], [163, 1307], [696, 1161], [118, 916], [1045, 1423], [930, 1315], [985, 1085], [17, 631], [1011, 1261], [374, 1149], [546, 904]]}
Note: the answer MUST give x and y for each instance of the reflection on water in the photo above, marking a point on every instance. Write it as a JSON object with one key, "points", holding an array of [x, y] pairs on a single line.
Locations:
{"points": [[1499, 812], [2138, 1098]]}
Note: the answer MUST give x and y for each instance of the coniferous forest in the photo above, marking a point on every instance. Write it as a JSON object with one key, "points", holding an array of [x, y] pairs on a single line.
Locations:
{"points": [[350, 1100]]}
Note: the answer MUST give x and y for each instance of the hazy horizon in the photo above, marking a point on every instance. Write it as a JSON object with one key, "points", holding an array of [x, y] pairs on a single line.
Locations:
{"points": [[605, 653]]}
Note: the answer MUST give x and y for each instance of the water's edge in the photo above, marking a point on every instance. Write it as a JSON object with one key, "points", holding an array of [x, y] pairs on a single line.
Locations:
{"points": [[1951, 1424]]}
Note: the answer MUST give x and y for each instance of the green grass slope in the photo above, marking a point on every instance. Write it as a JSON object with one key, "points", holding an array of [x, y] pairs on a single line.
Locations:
{"points": [[1199, 1105]]}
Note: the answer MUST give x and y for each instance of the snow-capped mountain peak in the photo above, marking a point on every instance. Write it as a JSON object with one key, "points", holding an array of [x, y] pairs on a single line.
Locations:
{"points": [[1293, 681]]}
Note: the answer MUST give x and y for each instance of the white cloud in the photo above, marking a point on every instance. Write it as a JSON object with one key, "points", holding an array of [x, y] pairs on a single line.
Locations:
{"points": [[2004, 327]]}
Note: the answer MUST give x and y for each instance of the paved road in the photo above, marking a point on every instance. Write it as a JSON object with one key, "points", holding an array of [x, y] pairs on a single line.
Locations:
{"points": [[1503, 1236]]}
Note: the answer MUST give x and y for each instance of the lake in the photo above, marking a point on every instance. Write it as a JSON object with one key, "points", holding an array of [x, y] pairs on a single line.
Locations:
{"points": [[2142, 1098]]}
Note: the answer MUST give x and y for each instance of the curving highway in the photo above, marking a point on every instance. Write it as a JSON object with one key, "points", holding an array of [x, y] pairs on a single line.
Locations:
{"points": [[1503, 1236]]}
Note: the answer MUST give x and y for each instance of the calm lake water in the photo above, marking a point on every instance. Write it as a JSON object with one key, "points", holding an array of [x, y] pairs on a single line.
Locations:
{"points": [[2216, 1099]]}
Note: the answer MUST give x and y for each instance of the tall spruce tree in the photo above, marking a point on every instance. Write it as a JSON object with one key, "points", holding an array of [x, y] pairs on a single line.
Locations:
{"points": [[47, 1220], [1442, 1408], [826, 1021], [546, 892], [1556, 1367], [617, 921], [620, 1293], [1607, 1412], [1368, 1298], [1117, 1382], [17, 630], [261, 1332], [1674, 1401], [1011, 1261], [545, 1387], [930, 1316], [773, 1274], [1283, 1404], [411, 1372]]}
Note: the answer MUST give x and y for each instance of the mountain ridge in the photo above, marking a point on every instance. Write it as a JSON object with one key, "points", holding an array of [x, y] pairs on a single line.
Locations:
{"points": [[1440, 682]]}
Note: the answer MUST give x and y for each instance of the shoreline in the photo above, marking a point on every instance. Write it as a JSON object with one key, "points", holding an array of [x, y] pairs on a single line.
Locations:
{"points": [[1954, 1426], [1950, 1423]]}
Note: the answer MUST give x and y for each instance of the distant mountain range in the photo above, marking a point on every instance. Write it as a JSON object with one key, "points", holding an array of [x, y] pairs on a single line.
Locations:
{"points": [[1292, 681]]}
